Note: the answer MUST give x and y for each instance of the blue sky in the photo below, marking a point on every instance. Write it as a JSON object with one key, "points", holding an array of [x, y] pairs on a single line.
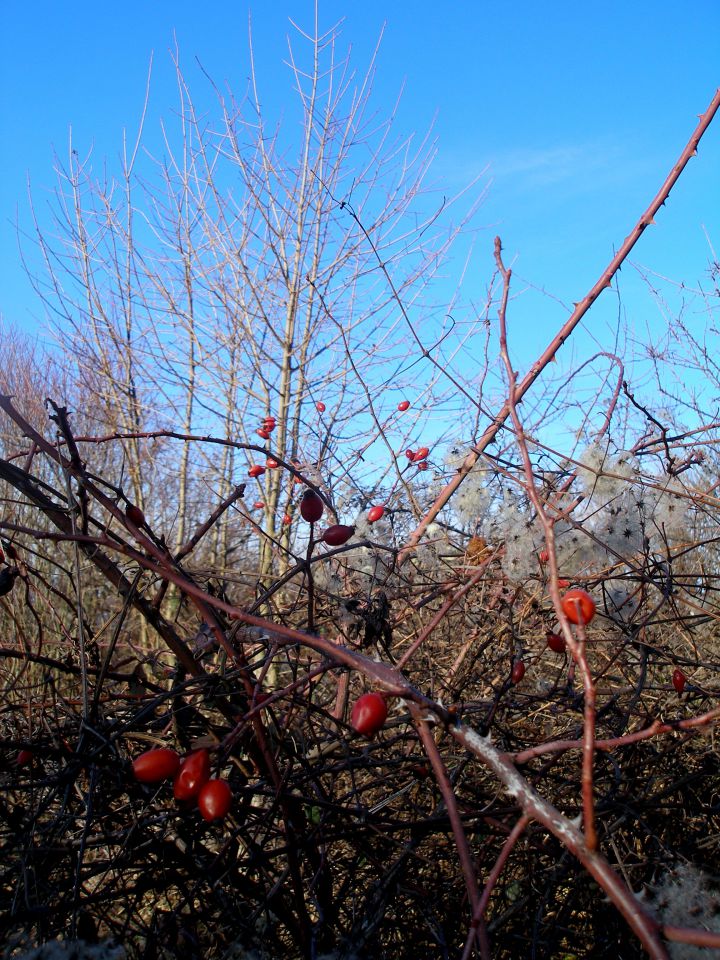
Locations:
{"points": [[578, 111]]}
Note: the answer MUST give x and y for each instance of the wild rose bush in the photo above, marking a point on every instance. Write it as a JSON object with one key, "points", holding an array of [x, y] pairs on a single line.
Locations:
{"points": [[160, 588], [365, 825]]}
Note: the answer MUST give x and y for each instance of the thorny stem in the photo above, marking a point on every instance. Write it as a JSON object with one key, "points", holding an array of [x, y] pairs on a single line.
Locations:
{"points": [[576, 647], [588, 753], [655, 729], [515, 834], [645, 928], [699, 938], [466, 861]]}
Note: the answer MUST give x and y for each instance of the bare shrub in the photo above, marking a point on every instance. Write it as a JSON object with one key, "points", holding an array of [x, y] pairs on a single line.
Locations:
{"points": [[521, 790]]}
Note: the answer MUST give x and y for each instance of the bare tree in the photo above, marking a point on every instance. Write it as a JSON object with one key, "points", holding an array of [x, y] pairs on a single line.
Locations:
{"points": [[242, 274]]}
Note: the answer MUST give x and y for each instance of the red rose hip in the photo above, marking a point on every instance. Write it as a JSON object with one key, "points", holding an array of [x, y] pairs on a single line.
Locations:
{"points": [[311, 506], [135, 515], [678, 680], [192, 776], [369, 714], [214, 800], [337, 534], [153, 766], [578, 606]]}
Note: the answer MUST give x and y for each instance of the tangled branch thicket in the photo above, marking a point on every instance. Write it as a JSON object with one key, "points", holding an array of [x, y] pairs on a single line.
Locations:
{"points": [[539, 788]]}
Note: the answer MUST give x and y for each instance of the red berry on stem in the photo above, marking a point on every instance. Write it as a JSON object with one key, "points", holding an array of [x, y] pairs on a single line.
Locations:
{"points": [[678, 680], [404, 405], [423, 465], [409, 453], [311, 507], [578, 606], [375, 513], [287, 520], [420, 771], [214, 800], [192, 776], [518, 671], [420, 454], [264, 433], [543, 556], [556, 642], [156, 765], [337, 534], [135, 515], [259, 505], [320, 406], [256, 471], [369, 714], [271, 463]]}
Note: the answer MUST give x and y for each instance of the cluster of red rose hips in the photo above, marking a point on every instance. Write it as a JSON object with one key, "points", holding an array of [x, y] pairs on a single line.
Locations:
{"points": [[311, 506], [266, 428], [579, 607], [312, 509], [418, 456], [191, 778]]}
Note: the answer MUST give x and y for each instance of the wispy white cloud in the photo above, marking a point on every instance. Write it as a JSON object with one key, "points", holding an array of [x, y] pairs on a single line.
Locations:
{"points": [[545, 166], [573, 168]]}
